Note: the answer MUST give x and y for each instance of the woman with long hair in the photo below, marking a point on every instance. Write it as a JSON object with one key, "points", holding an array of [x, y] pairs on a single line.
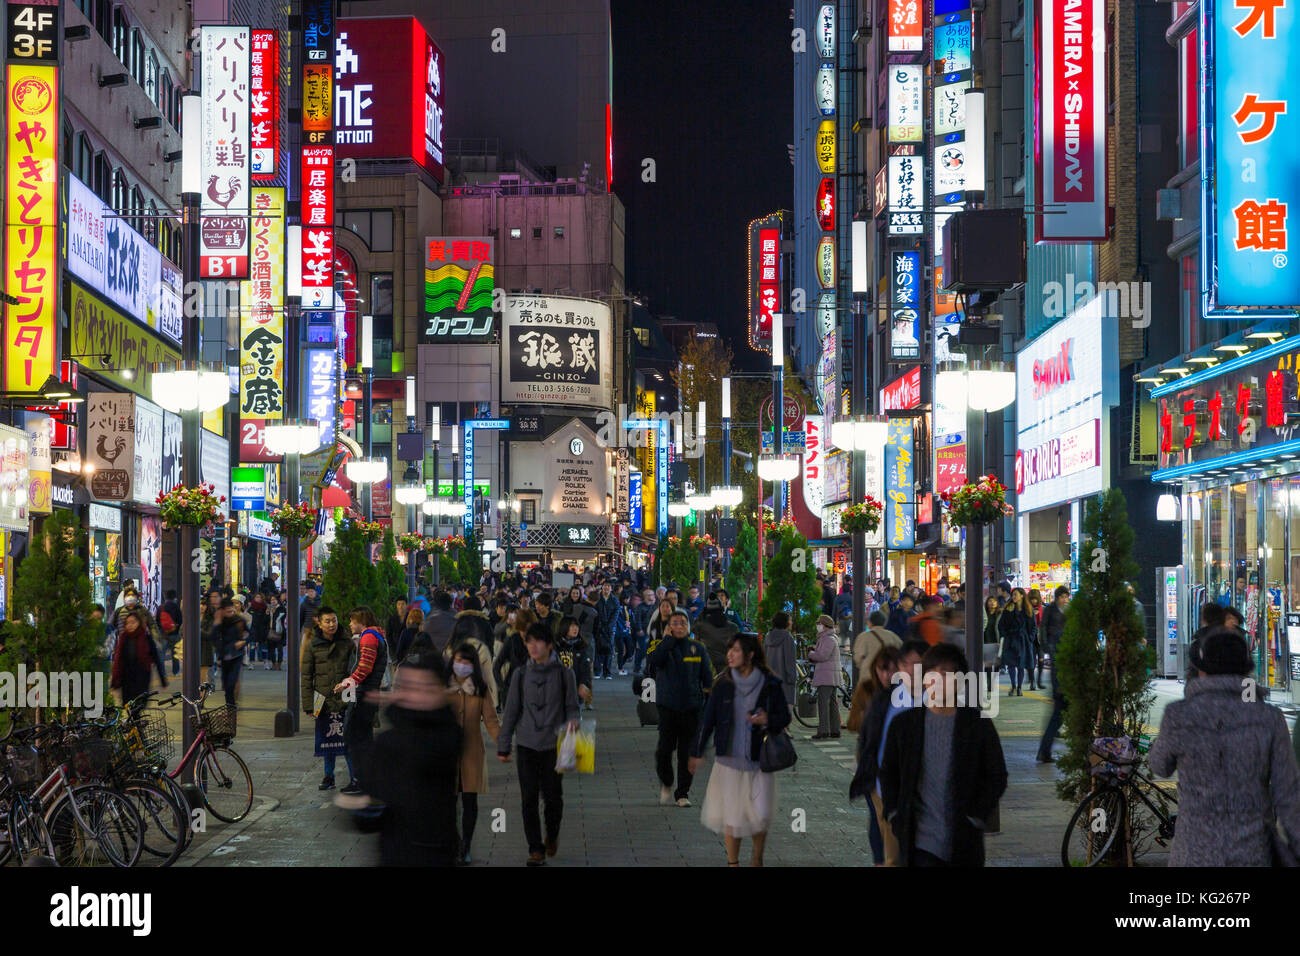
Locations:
{"points": [[1035, 600], [746, 705], [1016, 626], [992, 611], [470, 702], [878, 682], [513, 655], [134, 657]]}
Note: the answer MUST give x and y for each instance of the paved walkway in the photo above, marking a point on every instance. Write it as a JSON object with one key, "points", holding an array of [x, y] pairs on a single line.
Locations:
{"points": [[612, 817]]}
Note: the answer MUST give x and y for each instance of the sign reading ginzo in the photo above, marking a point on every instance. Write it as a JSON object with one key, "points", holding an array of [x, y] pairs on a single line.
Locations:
{"points": [[1070, 154]]}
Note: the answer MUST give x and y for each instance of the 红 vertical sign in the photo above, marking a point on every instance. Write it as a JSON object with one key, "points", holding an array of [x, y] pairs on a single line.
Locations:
{"points": [[261, 322], [1070, 152], [264, 104], [32, 137], [223, 241], [1250, 176]]}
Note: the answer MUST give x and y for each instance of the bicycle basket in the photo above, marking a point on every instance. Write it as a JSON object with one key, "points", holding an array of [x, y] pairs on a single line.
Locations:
{"points": [[219, 722], [1115, 750], [23, 765], [87, 758], [155, 744]]}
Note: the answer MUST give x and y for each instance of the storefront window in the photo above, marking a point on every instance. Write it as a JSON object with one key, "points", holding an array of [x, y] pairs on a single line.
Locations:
{"points": [[1275, 519], [1217, 557], [1245, 575], [1195, 545]]}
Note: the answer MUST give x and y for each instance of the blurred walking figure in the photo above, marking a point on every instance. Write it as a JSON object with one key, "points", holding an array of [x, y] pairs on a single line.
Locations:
{"points": [[779, 652], [943, 771], [135, 657], [1237, 776], [827, 672], [877, 682], [869, 643], [543, 698], [411, 769], [746, 704], [472, 705]]}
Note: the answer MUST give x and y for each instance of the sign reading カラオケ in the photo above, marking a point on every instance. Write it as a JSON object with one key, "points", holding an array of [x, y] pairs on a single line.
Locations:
{"points": [[556, 350], [223, 242]]}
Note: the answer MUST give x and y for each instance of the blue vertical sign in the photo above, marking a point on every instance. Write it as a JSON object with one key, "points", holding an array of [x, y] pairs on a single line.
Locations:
{"points": [[467, 479], [661, 480], [635, 510], [1250, 167], [900, 490], [905, 311]]}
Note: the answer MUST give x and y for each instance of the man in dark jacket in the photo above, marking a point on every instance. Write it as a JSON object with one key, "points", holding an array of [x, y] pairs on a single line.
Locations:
{"points": [[682, 676], [714, 631], [943, 771], [307, 603], [396, 621], [435, 633], [900, 618], [413, 768], [607, 609]]}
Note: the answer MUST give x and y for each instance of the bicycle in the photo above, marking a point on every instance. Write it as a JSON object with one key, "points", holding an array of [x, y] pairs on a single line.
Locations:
{"points": [[804, 669], [86, 824], [1090, 838], [220, 774]]}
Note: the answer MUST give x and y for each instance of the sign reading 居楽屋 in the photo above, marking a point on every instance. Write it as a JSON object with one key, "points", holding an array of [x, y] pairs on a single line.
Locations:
{"points": [[1251, 171]]}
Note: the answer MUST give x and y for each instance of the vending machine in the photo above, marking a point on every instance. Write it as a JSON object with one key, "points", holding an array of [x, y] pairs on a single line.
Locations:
{"points": [[1170, 586]]}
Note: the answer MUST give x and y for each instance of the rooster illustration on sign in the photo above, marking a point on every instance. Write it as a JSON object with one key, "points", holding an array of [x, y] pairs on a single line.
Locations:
{"points": [[119, 445], [223, 198]]}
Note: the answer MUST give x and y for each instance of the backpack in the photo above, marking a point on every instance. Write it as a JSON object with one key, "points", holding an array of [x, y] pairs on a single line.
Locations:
{"points": [[166, 622]]}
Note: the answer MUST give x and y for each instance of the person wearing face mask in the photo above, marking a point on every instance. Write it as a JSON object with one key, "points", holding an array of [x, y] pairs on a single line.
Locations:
{"points": [[411, 769], [135, 656], [131, 602], [473, 708]]}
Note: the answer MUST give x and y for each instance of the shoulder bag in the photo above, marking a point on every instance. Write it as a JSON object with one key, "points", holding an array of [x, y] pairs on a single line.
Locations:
{"points": [[777, 752]]}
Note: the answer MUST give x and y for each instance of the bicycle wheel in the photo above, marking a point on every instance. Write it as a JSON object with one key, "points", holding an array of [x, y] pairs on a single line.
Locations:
{"points": [[225, 783], [109, 831], [28, 835], [178, 797], [801, 689], [1146, 826], [163, 823], [1094, 829]]}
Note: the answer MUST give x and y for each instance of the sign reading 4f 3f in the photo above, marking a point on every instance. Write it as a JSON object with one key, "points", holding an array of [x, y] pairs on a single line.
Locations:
{"points": [[1251, 171], [223, 252]]}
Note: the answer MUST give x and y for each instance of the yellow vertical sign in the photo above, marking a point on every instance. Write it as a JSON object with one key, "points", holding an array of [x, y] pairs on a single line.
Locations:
{"points": [[31, 225]]}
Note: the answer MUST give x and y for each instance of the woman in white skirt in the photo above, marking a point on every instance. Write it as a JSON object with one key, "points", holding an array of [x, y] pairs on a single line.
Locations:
{"points": [[746, 704]]}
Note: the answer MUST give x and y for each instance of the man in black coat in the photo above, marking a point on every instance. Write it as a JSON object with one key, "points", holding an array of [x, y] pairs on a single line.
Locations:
{"points": [[943, 771]]}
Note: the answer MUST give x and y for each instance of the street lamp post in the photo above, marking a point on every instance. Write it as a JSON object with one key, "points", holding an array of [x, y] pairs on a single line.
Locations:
{"points": [[859, 434]]}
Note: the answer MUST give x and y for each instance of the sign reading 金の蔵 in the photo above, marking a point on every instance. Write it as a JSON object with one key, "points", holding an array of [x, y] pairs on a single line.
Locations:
{"points": [[261, 322]]}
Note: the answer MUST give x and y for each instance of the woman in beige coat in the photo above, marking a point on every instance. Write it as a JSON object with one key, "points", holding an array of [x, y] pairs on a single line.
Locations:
{"points": [[472, 705]]}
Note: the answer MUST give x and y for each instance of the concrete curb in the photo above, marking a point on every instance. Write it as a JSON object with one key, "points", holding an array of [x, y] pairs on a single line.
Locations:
{"points": [[215, 840]]}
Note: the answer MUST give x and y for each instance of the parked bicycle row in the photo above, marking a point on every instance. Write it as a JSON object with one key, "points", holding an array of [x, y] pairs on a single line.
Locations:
{"points": [[99, 792]]}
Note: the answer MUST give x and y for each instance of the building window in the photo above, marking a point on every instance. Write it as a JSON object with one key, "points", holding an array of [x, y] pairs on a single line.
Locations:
{"points": [[103, 19], [381, 293], [559, 234], [68, 156], [119, 197], [137, 60], [83, 168], [149, 228], [537, 232], [528, 509], [516, 233], [137, 210], [151, 79], [102, 178], [121, 36], [374, 226]]}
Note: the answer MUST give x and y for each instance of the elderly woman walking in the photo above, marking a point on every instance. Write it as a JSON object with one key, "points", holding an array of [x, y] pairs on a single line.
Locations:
{"points": [[1237, 776]]}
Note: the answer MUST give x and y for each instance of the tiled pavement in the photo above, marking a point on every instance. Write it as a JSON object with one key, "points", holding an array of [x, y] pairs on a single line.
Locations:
{"points": [[612, 817]]}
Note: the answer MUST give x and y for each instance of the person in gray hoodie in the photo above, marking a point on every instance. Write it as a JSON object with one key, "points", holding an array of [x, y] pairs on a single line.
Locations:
{"points": [[1237, 776], [540, 702], [779, 649]]}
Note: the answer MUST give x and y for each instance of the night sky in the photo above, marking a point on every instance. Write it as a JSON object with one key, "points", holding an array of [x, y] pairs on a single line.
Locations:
{"points": [[705, 89]]}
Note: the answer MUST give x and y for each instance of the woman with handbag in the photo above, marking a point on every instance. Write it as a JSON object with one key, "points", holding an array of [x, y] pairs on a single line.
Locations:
{"points": [[1016, 626], [992, 611], [747, 715]]}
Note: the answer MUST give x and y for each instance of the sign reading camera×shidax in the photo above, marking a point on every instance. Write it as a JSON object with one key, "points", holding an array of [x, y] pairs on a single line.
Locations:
{"points": [[556, 350]]}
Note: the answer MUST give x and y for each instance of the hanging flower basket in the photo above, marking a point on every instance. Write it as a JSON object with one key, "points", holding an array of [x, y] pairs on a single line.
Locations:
{"points": [[294, 521], [373, 531], [674, 541], [410, 541], [980, 502], [433, 545], [453, 542], [863, 517], [191, 507], [700, 541]]}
